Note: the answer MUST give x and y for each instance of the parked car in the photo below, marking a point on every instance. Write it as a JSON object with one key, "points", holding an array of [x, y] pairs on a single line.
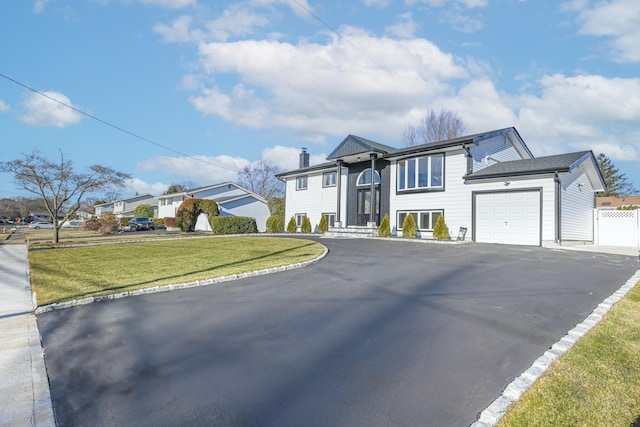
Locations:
{"points": [[38, 225], [141, 223]]}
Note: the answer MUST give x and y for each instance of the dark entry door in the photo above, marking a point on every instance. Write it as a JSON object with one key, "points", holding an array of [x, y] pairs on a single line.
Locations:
{"points": [[364, 206]]}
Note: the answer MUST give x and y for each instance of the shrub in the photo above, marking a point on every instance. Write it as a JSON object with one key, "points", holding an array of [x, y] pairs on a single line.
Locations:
{"points": [[158, 221], [384, 230], [190, 210], [409, 229], [440, 230], [324, 224], [170, 222], [109, 223], [275, 223], [92, 224], [292, 227], [125, 221], [305, 227], [233, 225], [143, 210]]}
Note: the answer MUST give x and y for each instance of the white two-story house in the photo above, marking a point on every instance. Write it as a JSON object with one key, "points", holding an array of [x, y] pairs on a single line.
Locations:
{"points": [[488, 186]]}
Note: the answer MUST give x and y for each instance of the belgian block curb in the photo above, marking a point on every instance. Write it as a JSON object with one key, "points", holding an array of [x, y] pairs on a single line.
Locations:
{"points": [[496, 410]]}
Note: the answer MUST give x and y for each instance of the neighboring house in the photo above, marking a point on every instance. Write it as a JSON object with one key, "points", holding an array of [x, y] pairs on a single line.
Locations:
{"points": [[103, 209], [232, 200], [617, 202], [126, 207], [488, 184]]}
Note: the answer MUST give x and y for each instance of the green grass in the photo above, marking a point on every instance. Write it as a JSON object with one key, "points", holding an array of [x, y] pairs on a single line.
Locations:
{"points": [[596, 383], [43, 237], [65, 274]]}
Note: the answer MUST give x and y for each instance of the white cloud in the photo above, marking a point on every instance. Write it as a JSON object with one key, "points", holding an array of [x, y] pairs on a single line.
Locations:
{"points": [[298, 7], [38, 6], [170, 4], [43, 111], [288, 158], [438, 3], [178, 32], [315, 88], [3, 107], [138, 186], [405, 27], [236, 20], [618, 20], [201, 170]]}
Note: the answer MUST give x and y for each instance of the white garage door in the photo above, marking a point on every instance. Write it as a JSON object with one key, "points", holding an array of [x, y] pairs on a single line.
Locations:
{"points": [[511, 217]]}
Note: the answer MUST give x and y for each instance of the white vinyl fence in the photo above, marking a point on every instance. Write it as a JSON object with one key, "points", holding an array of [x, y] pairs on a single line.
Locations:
{"points": [[616, 228]]}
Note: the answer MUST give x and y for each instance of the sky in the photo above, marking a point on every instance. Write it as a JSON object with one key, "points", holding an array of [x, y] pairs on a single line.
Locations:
{"points": [[191, 91]]}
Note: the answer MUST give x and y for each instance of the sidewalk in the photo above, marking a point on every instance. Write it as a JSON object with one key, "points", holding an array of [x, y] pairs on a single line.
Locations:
{"points": [[615, 250], [25, 399]]}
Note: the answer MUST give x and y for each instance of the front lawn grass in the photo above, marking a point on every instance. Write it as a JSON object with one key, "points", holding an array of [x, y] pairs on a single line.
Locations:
{"points": [[596, 383], [65, 274]]}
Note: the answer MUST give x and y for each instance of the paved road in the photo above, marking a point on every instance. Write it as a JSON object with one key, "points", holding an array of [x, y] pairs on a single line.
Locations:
{"points": [[379, 333]]}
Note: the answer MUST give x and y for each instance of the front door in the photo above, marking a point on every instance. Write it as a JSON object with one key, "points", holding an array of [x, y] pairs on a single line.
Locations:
{"points": [[364, 206]]}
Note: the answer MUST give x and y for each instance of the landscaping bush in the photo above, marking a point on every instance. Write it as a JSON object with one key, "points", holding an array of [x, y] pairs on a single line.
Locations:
{"points": [[384, 230], [109, 223], [440, 230], [292, 227], [409, 229], [190, 210], [92, 224], [143, 210], [170, 222], [275, 223], [305, 227], [324, 225], [159, 221], [233, 225], [125, 221]]}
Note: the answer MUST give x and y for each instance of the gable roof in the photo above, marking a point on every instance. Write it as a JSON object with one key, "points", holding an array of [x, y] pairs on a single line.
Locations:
{"points": [[191, 192], [354, 144], [544, 165]]}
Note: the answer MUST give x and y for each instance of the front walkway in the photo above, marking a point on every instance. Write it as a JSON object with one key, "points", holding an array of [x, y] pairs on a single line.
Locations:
{"points": [[24, 386]]}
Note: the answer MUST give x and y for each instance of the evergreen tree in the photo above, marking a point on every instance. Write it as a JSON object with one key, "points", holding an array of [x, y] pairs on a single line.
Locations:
{"points": [[440, 230], [409, 229], [617, 183], [384, 230]]}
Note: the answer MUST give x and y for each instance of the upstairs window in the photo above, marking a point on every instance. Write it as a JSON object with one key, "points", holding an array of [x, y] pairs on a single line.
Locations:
{"points": [[365, 178], [301, 183], [421, 173], [329, 179]]}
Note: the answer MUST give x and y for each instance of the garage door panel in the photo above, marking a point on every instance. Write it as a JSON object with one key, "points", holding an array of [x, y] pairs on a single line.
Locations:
{"points": [[508, 217]]}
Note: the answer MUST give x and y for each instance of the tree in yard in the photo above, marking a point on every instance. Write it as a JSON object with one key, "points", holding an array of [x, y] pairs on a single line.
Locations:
{"points": [[440, 230], [434, 127], [175, 188], [292, 226], [384, 230], [617, 183], [143, 210], [305, 227], [59, 186], [409, 229], [260, 178]]}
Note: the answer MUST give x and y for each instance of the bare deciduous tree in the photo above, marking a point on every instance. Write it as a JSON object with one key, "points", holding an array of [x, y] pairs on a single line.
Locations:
{"points": [[260, 178], [434, 127], [58, 186]]}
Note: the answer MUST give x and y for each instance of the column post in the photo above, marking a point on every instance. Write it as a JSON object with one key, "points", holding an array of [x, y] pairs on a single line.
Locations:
{"points": [[372, 218], [338, 222]]}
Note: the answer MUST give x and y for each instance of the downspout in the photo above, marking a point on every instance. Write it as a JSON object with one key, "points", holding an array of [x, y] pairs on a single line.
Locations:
{"points": [[558, 205], [372, 217], [339, 189]]}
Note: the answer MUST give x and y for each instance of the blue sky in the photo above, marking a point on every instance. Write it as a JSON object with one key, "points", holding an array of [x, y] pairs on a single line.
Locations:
{"points": [[224, 84]]}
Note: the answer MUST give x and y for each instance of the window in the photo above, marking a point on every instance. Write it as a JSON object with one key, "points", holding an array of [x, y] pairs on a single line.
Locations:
{"points": [[421, 173], [299, 218], [329, 179], [301, 183], [425, 220], [331, 218], [365, 178]]}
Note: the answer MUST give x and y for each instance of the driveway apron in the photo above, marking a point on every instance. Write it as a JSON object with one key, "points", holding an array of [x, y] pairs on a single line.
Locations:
{"points": [[378, 333]]}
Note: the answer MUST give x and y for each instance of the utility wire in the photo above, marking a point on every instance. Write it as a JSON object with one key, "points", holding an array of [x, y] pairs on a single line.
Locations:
{"points": [[135, 135], [317, 18]]}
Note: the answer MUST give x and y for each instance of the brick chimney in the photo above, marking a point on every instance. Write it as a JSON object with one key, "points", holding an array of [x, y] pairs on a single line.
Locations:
{"points": [[304, 158]]}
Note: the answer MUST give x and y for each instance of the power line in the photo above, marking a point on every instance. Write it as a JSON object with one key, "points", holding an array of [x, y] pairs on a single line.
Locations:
{"points": [[317, 18], [118, 128]]}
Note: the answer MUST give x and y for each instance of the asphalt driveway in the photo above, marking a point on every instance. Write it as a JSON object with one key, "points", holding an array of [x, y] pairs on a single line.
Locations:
{"points": [[379, 333]]}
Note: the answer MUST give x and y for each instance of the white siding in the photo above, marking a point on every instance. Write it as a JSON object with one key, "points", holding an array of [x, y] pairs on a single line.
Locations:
{"points": [[316, 199], [493, 150], [577, 203]]}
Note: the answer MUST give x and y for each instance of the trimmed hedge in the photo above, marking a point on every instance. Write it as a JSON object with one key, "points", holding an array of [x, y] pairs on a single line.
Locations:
{"points": [[190, 210], [275, 223], [233, 225], [384, 230], [409, 229]]}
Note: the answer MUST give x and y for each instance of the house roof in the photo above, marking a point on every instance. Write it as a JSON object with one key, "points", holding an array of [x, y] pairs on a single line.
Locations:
{"points": [[535, 166], [353, 145], [220, 198], [616, 202]]}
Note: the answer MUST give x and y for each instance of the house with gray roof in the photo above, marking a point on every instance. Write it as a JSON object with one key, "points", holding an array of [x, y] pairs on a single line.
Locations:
{"points": [[488, 186]]}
